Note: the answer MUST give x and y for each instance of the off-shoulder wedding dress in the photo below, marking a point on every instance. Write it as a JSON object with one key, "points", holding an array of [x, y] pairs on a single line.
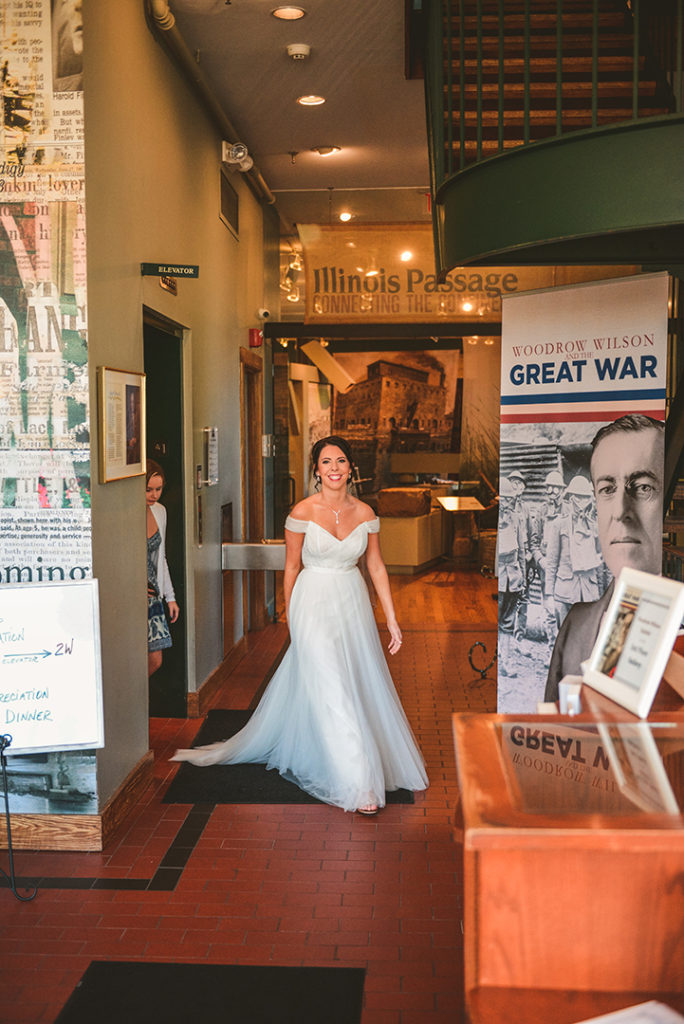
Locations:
{"points": [[330, 719]]}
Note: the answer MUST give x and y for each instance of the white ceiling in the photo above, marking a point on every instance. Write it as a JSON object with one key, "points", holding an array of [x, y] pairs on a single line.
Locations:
{"points": [[372, 111]]}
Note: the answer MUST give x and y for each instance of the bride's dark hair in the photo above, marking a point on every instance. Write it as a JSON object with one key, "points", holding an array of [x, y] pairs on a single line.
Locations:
{"points": [[338, 442]]}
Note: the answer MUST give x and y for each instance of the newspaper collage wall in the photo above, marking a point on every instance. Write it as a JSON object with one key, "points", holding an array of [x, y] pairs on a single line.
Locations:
{"points": [[44, 417]]}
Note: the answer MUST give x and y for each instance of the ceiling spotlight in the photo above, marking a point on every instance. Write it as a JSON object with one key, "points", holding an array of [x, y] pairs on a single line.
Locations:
{"points": [[233, 153], [311, 101], [236, 155], [325, 150], [345, 216], [406, 256], [288, 13]]}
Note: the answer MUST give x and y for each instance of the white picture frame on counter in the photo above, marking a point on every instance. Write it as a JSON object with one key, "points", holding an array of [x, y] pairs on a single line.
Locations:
{"points": [[636, 639]]}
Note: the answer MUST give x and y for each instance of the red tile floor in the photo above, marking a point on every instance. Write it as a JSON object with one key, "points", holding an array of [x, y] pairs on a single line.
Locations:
{"points": [[288, 884]]}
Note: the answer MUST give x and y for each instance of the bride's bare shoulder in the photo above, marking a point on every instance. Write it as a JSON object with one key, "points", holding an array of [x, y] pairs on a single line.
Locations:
{"points": [[364, 512], [303, 509]]}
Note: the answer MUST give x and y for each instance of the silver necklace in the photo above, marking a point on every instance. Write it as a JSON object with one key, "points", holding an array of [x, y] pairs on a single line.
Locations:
{"points": [[336, 512]]}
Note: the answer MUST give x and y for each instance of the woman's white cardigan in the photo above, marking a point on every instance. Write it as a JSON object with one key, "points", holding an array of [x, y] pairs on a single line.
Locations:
{"points": [[163, 574]]}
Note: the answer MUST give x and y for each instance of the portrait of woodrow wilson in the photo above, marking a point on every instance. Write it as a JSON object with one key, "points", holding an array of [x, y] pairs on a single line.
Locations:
{"points": [[627, 465]]}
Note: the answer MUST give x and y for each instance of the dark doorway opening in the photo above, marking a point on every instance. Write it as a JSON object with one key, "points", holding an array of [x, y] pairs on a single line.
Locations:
{"points": [[163, 370]]}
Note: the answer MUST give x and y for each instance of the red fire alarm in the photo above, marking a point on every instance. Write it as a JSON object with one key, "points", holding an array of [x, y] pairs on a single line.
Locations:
{"points": [[256, 337]]}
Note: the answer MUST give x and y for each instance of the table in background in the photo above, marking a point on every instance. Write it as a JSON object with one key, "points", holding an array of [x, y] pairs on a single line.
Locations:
{"points": [[464, 526]]}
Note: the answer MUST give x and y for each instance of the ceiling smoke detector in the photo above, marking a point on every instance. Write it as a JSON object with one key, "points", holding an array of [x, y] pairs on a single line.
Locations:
{"points": [[298, 51]]}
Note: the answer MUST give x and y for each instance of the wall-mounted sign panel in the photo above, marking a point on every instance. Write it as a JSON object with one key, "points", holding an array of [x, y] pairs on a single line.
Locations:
{"points": [[385, 273], [211, 458], [169, 270]]}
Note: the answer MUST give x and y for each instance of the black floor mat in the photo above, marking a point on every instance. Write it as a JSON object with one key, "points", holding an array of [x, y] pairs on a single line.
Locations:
{"points": [[141, 993], [240, 783]]}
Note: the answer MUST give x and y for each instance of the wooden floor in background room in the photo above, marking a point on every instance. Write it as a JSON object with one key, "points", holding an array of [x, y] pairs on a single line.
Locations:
{"points": [[279, 884]]}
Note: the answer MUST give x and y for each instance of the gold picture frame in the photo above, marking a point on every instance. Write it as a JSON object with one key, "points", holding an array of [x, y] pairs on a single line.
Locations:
{"points": [[121, 423]]}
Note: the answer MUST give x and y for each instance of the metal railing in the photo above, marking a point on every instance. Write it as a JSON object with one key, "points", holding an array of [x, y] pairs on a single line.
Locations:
{"points": [[506, 74], [659, 24]]}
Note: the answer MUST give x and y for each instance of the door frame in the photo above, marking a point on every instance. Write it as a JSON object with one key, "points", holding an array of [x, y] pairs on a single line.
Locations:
{"points": [[159, 322], [252, 482]]}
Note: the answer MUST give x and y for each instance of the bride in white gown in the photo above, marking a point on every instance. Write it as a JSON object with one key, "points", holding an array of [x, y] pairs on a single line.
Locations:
{"points": [[330, 719]]}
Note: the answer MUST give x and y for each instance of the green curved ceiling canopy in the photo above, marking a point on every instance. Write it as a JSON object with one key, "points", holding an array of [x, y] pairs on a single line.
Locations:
{"points": [[612, 195]]}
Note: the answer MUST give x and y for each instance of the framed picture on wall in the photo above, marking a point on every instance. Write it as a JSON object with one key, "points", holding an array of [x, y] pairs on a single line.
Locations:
{"points": [[121, 423]]}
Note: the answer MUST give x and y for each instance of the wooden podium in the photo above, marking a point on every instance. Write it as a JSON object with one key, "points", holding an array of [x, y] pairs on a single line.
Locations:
{"points": [[569, 885]]}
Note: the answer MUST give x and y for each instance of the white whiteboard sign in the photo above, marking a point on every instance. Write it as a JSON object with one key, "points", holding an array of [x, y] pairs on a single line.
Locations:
{"points": [[50, 667]]}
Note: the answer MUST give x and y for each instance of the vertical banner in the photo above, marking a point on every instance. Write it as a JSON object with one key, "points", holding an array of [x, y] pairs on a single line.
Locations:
{"points": [[583, 379], [45, 533]]}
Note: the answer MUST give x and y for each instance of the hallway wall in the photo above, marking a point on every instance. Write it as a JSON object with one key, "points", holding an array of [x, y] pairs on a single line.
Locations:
{"points": [[152, 194]]}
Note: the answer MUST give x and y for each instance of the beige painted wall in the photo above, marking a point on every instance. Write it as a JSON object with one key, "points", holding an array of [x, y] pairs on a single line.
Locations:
{"points": [[152, 194]]}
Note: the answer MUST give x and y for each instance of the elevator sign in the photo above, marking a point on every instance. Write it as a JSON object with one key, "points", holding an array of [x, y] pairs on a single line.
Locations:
{"points": [[169, 270]]}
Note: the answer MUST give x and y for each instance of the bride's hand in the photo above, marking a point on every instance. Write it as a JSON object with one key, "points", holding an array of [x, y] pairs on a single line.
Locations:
{"points": [[395, 637]]}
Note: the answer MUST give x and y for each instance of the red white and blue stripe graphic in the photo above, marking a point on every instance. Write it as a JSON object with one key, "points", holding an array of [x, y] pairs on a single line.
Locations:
{"points": [[589, 406]]}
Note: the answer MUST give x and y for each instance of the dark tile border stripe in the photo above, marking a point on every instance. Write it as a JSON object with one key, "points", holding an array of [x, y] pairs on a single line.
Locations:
{"points": [[165, 878]]}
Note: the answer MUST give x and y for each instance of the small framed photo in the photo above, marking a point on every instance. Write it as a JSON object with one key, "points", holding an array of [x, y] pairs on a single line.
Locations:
{"points": [[636, 639], [121, 415]]}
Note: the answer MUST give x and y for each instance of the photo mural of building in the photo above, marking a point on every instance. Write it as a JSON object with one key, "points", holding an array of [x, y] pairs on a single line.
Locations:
{"points": [[45, 532], [405, 403]]}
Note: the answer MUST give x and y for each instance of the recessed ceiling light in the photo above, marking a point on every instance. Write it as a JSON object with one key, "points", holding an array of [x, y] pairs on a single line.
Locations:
{"points": [[288, 13], [326, 150], [345, 216], [311, 101]]}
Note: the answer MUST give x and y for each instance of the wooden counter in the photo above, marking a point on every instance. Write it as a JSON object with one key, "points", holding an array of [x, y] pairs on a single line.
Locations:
{"points": [[573, 865], [548, 1006]]}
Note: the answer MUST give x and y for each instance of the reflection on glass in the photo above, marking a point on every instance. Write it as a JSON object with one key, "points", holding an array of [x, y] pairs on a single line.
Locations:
{"points": [[615, 769]]}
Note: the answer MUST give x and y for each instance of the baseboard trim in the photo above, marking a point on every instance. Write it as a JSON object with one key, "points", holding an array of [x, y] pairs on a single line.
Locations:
{"points": [[122, 802], [79, 832], [199, 700]]}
